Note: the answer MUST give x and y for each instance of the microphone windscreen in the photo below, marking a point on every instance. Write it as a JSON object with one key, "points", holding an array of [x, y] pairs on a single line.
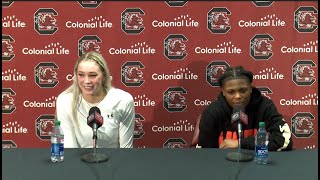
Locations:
{"points": [[238, 114], [94, 109], [243, 118]]}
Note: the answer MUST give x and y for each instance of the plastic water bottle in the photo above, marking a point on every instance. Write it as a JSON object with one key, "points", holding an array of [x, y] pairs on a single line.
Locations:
{"points": [[261, 142], [57, 143]]}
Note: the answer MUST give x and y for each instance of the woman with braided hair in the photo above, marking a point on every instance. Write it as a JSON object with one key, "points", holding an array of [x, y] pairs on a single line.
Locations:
{"points": [[216, 129]]}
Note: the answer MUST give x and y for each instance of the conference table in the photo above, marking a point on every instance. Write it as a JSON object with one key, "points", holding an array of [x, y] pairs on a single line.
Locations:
{"points": [[156, 164]]}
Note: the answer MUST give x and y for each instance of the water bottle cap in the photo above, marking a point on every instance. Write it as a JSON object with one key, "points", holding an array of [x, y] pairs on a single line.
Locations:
{"points": [[261, 124], [57, 123]]}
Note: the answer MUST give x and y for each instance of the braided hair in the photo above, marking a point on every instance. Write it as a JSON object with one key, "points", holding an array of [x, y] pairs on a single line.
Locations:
{"points": [[237, 72]]}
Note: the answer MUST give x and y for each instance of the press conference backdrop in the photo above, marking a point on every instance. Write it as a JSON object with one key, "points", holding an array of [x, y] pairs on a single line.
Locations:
{"points": [[167, 54]]}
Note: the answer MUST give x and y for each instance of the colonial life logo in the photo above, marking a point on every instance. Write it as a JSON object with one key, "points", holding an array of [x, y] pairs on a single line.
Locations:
{"points": [[179, 126], [69, 77], [309, 47], [223, 48], [50, 49], [200, 102], [308, 100], [180, 74], [138, 48], [311, 147], [50, 102], [12, 22], [13, 75], [270, 20], [268, 74], [13, 128], [143, 101], [180, 21], [92, 23]]}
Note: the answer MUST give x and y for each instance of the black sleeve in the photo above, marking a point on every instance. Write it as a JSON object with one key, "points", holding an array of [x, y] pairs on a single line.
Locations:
{"points": [[279, 131], [208, 130]]}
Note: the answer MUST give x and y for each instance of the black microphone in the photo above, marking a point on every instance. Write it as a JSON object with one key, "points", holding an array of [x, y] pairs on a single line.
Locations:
{"points": [[95, 120], [239, 118]]}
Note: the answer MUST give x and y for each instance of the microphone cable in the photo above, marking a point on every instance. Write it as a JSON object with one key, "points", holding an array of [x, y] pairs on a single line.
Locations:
{"points": [[97, 171], [97, 162], [93, 166], [236, 171]]}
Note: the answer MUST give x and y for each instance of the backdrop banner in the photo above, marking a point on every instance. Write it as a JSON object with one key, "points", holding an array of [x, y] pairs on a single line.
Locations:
{"points": [[167, 54]]}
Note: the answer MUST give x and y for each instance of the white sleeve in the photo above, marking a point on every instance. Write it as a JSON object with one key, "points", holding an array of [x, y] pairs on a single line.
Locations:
{"points": [[126, 128], [64, 117]]}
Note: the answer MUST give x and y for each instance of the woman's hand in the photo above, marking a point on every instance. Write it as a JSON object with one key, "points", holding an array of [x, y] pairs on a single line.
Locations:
{"points": [[229, 143]]}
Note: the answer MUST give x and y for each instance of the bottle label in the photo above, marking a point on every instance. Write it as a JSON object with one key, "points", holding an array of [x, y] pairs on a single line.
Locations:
{"points": [[262, 151], [57, 149]]}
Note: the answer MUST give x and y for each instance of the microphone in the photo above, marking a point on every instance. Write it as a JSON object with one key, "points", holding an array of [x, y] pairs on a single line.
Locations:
{"points": [[239, 118], [94, 120]]}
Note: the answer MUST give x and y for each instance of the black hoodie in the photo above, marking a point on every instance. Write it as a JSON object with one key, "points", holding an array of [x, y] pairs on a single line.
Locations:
{"points": [[215, 123]]}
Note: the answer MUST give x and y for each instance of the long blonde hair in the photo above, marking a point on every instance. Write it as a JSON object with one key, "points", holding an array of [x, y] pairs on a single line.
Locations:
{"points": [[75, 89]]}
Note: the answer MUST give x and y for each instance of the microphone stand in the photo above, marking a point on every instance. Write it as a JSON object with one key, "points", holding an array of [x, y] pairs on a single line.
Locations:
{"points": [[94, 157], [239, 137], [239, 156], [94, 146], [239, 145]]}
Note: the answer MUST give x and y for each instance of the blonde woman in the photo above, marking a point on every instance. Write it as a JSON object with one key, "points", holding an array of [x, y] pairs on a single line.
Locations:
{"points": [[92, 88]]}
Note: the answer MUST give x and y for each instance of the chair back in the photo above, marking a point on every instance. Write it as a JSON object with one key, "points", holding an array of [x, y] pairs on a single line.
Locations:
{"points": [[195, 137]]}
